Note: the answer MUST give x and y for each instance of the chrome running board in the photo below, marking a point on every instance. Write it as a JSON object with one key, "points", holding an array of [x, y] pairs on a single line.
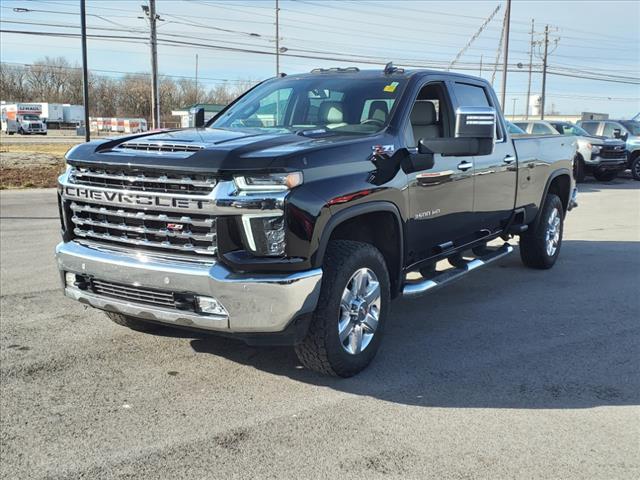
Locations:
{"points": [[417, 288]]}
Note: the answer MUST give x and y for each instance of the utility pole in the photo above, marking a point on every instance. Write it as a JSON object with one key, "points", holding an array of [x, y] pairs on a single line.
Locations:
{"points": [[85, 70], [526, 108], [196, 78], [277, 38], [506, 53], [544, 70], [150, 11], [480, 66], [513, 114]]}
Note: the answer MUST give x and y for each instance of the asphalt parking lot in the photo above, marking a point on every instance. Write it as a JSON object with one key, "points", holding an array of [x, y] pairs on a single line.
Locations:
{"points": [[510, 373]]}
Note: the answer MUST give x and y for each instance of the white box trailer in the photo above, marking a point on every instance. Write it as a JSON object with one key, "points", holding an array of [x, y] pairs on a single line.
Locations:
{"points": [[73, 113], [52, 112]]}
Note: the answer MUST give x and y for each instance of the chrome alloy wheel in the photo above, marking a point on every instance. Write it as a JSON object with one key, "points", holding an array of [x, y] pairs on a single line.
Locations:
{"points": [[359, 311], [552, 236]]}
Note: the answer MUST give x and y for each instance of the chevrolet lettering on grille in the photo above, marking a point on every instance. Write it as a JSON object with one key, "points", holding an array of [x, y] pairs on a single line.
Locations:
{"points": [[135, 199]]}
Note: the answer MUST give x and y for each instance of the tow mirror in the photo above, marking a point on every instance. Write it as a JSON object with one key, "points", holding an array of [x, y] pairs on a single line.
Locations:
{"points": [[617, 133], [474, 134]]}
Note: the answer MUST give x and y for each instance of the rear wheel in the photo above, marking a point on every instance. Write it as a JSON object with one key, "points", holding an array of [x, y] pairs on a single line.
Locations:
{"points": [[132, 323], [347, 326], [635, 167], [605, 175], [540, 245]]}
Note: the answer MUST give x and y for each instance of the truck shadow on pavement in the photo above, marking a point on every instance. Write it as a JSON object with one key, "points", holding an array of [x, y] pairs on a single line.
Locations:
{"points": [[509, 337], [622, 182]]}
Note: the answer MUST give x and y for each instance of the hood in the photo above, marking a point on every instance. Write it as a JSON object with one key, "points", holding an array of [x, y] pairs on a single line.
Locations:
{"points": [[599, 140], [209, 150]]}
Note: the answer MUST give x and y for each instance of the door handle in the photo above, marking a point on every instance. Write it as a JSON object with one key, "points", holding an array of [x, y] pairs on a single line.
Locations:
{"points": [[464, 166], [509, 159]]}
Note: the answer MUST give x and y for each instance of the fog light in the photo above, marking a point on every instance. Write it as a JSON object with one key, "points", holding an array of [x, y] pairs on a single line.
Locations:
{"points": [[211, 306], [70, 279]]}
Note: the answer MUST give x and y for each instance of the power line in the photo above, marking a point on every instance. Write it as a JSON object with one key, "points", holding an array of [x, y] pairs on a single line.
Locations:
{"points": [[474, 36]]}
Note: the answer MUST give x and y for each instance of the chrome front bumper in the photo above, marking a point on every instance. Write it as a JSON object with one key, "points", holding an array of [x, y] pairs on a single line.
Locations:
{"points": [[260, 303]]}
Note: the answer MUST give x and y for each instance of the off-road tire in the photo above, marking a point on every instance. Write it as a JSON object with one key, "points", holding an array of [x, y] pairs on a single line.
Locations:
{"points": [[578, 169], [132, 323], [321, 349], [533, 245], [605, 175], [635, 167]]}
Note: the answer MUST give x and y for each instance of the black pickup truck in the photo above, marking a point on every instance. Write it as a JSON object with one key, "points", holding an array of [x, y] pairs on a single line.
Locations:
{"points": [[301, 210]]}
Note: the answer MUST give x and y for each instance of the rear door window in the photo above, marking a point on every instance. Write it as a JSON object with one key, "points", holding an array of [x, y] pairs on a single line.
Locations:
{"points": [[542, 129], [591, 127], [469, 95]]}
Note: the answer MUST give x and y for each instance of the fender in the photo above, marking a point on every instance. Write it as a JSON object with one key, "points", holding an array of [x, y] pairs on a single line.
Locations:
{"points": [[355, 211], [555, 174]]}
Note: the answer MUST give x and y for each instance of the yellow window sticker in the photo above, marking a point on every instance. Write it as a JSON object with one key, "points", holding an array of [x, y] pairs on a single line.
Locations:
{"points": [[391, 87]]}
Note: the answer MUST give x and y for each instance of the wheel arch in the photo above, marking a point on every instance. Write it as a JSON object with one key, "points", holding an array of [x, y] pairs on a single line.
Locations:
{"points": [[559, 182], [355, 223]]}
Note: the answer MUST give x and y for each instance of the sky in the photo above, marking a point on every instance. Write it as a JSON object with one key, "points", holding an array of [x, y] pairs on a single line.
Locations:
{"points": [[235, 40]]}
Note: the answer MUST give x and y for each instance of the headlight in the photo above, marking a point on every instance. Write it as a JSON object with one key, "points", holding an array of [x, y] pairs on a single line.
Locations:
{"points": [[595, 149], [277, 182], [264, 234]]}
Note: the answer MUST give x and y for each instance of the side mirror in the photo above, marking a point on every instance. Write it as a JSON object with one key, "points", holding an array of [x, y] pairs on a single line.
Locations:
{"points": [[197, 117], [617, 133], [474, 134]]}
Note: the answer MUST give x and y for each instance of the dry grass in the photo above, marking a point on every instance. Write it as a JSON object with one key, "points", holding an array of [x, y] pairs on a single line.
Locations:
{"points": [[36, 176], [55, 149]]}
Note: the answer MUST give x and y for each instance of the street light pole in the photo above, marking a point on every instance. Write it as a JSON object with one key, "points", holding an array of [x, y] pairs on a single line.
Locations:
{"points": [[506, 53], [85, 70], [150, 11], [513, 114], [277, 38]]}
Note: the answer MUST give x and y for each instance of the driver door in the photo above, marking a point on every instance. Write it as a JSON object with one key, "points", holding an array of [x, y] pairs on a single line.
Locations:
{"points": [[440, 196]]}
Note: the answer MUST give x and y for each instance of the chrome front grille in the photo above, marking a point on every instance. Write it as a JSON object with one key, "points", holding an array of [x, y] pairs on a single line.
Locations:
{"points": [[143, 181], [133, 294], [191, 234]]}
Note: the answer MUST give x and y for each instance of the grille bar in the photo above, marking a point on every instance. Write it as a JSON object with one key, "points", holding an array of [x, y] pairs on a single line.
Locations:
{"points": [[205, 237], [185, 248], [147, 181], [143, 178], [141, 215], [155, 297]]}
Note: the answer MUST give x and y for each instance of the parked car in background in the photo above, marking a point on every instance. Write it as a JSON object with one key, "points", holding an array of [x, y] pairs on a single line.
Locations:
{"points": [[598, 156], [514, 129], [625, 130]]}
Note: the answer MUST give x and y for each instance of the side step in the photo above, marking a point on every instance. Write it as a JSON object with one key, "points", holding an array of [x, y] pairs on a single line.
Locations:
{"points": [[420, 287]]}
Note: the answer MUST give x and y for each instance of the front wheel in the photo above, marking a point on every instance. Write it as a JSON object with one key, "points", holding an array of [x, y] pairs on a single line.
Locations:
{"points": [[347, 326], [605, 175], [635, 168], [540, 244]]}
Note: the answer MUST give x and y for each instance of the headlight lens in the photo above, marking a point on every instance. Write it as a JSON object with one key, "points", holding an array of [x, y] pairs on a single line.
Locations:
{"points": [[595, 149], [265, 235], [277, 182]]}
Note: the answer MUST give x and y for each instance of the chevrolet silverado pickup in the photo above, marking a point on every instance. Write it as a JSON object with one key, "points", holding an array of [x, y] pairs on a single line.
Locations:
{"points": [[601, 157], [302, 209]]}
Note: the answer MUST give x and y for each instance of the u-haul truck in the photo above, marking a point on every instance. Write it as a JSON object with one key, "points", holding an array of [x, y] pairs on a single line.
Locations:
{"points": [[23, 118]]}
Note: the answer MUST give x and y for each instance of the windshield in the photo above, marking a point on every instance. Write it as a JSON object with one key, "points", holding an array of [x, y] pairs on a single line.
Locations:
{"points": [[316, 105], [30, 117], [633, 127], [568, 129]]}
